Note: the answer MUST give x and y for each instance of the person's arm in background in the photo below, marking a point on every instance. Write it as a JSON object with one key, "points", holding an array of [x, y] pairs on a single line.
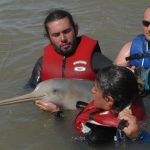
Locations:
{"points": [[36, 74], [123, 53]]}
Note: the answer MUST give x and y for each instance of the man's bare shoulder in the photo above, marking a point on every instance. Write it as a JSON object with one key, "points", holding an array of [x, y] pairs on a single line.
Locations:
{"points": [[123, 53]]}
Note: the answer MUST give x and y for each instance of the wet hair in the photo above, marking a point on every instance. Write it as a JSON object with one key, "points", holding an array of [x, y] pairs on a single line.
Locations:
{"points": [[119, 83], [57, 14]]}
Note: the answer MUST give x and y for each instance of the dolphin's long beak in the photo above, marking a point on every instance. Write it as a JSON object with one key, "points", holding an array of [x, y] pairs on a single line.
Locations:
{"points": [[21, 99]]}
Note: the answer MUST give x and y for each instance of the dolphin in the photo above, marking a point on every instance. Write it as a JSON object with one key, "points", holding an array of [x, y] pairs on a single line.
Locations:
{"points": [[63, 92]]}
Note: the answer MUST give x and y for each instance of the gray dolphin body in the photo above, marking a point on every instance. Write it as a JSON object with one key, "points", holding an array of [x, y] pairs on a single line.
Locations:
{"points": [[63, 92]]}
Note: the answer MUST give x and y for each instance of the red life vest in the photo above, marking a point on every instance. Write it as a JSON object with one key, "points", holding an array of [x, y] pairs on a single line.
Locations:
{"points": [[106, 118], [77, 66], [138, 109]]}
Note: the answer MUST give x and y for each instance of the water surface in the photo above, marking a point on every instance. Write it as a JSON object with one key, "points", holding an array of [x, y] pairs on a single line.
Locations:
{"points": [[24, 126]]}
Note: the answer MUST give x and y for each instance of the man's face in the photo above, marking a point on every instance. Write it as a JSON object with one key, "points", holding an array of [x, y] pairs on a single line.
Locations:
{"points": [[147, 27], [62, 35]]}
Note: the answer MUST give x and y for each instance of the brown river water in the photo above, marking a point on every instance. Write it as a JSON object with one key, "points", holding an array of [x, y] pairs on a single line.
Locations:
{"points": [[24, 126]]}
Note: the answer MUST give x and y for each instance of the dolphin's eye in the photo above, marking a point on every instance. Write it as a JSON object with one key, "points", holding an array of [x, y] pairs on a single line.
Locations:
{"points": [[55, 90]]}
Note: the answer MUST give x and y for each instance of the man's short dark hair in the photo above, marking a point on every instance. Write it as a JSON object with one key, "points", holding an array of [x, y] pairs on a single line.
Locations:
{"points": [[57, 14]]}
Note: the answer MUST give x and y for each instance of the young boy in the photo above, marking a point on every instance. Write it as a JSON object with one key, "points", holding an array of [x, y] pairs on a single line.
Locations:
{"points": [[115, 89]]}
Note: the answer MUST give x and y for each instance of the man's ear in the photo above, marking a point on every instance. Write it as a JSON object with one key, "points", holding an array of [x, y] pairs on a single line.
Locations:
{"points": [[110, 100], [76, 29]]}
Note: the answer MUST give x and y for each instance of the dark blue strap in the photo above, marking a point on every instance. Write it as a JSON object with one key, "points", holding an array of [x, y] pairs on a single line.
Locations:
{"points": [[144, 136]]}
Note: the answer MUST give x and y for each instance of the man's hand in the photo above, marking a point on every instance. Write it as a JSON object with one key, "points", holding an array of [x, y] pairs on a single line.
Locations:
{"points": [[132, 130], [50, 107]]}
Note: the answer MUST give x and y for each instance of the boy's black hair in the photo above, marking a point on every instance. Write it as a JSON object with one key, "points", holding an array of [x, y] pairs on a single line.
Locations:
{"points": [[119, 83]]}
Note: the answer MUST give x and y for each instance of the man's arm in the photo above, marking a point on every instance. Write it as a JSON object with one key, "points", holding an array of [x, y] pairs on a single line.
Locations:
{"points": [[121, 57], [133, 129], [36, 74], [99, 61]]}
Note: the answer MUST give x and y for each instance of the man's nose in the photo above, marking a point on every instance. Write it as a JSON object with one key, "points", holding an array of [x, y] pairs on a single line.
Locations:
{"points": [[63, 37]]}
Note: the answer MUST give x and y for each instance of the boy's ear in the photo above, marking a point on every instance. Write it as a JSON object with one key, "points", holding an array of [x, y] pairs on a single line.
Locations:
{"points": [[110, 100]]}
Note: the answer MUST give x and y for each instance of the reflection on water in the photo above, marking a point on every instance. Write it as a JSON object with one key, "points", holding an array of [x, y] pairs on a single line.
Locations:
{"points": [[24, 126]]}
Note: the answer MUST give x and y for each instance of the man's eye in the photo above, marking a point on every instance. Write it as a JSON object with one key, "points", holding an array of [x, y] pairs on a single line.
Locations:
{"points": [[55, 34], [67, 31]]}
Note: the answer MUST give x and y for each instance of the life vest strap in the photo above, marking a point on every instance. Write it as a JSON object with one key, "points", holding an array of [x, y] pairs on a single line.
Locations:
{"points": [[137, 56], [91, 115]]}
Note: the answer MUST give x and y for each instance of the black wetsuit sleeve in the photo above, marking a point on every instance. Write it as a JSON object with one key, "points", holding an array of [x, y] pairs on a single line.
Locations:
{"points": [[99, 61], [36, 74]]}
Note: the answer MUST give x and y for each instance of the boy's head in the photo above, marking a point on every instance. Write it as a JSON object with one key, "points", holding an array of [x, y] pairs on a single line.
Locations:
{"points": [[115, 88]]}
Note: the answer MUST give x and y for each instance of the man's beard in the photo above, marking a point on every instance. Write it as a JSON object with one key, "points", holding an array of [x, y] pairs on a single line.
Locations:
{"points": [[66, 52]]}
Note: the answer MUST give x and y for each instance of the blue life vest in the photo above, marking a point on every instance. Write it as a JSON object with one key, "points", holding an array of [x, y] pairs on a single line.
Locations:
{"points": [[140, 46], [140, 58], [144, 136]]}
